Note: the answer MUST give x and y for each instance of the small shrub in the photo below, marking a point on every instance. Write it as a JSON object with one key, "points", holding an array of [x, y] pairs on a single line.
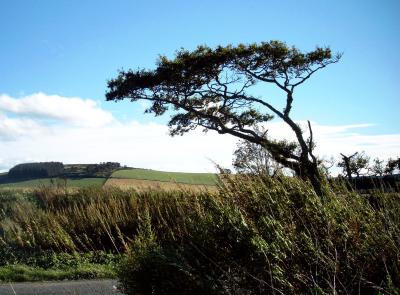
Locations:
{"points": [[151, 269]]}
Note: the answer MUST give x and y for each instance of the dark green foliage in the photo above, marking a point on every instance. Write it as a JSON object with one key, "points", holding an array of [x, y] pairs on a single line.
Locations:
{"points": [[24, 273], [102, 169], [151, 269], [36, 170], [57, 266]]}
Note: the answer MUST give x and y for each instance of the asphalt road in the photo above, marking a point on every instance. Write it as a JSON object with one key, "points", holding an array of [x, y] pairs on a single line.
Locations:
{"points": [[87, 287]]}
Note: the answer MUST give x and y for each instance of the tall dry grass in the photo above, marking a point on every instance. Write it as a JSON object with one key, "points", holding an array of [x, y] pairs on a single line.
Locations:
{"points": [[87, 219], [257, 235], [263, 235]]}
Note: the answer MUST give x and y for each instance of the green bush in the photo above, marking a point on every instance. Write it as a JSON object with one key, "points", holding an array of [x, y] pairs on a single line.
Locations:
{"points": [[268, 236], [151, 269]]}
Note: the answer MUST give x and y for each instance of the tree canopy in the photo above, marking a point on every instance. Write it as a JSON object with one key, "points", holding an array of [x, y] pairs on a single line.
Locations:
{"points": [[39, 169], [209, 88]]}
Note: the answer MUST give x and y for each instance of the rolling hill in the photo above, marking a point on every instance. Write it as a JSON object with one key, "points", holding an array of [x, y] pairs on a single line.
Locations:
{"points": [[124, 177]]}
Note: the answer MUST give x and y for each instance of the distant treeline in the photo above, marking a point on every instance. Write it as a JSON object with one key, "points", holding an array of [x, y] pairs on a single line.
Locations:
{"points": [[57, 169], [102, 167], [40, 169]]}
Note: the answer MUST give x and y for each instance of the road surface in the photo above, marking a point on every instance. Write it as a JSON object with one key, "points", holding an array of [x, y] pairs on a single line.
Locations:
{"points": [[85, 287]]}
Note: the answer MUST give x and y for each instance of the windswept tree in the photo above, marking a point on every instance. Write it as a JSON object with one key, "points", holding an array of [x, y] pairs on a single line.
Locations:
{"points": [[378, 167], [210, 88], [355, 164]]}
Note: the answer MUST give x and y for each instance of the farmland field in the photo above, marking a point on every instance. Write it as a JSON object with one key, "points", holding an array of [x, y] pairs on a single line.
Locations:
{"points": [[136, 178], [179, 177], [143, 185], [35, 183]]}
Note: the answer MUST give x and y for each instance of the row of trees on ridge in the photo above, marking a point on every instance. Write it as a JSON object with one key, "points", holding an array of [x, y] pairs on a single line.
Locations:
{"points": [[34, 170]]}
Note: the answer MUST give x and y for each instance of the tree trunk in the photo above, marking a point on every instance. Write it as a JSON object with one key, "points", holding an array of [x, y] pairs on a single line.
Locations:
{"points": [[308, 171], [316, 179], [308, 168]]}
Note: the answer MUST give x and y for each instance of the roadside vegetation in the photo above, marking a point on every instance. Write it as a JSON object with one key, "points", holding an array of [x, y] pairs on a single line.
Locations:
{"points": [[256, 235], [58, 267]]}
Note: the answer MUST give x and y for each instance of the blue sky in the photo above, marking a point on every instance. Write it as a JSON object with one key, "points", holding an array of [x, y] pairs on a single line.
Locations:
{"points": [[71, 48]]}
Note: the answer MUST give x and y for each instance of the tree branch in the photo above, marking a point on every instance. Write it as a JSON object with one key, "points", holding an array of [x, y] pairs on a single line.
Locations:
{"points": [[310, 143]]}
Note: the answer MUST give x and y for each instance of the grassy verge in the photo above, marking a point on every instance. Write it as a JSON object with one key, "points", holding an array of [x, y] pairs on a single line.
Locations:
{"points": [[19, 266], [25, 273]]}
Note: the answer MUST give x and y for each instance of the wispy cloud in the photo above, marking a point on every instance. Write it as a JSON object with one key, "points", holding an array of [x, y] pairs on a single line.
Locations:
{"points": [[15, 128], [71, 110]]}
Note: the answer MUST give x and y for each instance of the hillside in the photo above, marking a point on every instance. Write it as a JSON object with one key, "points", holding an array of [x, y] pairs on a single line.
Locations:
{"points": [[76, 176], [179, 177]]}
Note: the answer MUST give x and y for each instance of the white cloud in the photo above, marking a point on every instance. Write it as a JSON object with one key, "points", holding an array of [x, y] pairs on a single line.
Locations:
{"points": [[148, 145], [133, 144], [331, 140], [14, 128], [71, 110]]}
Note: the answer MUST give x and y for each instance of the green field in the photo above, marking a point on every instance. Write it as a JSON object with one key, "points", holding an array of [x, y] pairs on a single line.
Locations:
{"points": [[35, 183], [128, 173], [180, 177]]}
